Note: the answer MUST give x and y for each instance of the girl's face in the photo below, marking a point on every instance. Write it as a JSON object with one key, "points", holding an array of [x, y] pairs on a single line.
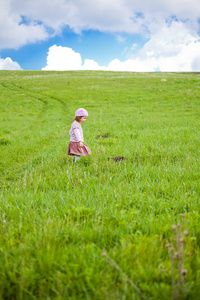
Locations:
{"points": [[83, 119]]}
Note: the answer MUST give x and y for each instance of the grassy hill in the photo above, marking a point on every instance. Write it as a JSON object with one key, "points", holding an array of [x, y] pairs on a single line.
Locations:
{"points": [[122, 223]]}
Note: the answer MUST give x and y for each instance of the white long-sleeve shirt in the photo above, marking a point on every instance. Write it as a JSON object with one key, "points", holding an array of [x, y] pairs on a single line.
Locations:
{"points": [[76, 133]]}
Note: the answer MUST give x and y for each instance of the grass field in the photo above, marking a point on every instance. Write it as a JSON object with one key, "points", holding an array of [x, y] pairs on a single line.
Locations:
{"points": [[100, 228]]}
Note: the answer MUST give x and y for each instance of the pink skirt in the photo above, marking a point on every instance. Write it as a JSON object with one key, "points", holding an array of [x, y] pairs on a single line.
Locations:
{"points": [[75, 149]]}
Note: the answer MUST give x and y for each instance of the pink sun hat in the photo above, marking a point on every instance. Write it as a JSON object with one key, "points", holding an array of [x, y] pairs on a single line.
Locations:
{"points": [[81, 112]]}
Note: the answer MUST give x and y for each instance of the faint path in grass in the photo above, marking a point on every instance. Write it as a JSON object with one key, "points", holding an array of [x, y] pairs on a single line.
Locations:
{"points": [[13, 87], [45, 99], [51, 107]]}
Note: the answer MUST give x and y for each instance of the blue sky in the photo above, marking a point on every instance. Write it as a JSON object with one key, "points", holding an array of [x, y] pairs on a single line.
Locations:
{"points": [[119, 35], [92, 44]]}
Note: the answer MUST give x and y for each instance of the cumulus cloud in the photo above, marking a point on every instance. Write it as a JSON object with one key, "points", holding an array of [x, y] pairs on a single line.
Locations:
{"points": [[8, 64], [44, 18], [62, 58], [172, 28], [112, 15], [90, 64], [17, 30], [172, 49]]}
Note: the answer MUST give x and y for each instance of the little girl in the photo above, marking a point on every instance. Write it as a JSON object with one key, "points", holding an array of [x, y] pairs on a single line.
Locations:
{"points": [[76, 146]]}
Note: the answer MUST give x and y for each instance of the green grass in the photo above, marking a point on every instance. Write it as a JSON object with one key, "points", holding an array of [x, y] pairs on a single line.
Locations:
{"points": [[57, 217]]}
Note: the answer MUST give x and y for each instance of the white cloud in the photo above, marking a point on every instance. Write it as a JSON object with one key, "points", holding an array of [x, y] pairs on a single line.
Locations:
{"points": [[162, 53], [138, 16], [14, 33], [120, 38], [170, 40], [90, 64], [8, 64], [172, 48], [165, 54], [172, 45], [62, 58], [111, 15], [196, 63]]}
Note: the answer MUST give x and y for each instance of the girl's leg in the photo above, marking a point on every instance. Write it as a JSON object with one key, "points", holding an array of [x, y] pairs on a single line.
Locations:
{"points": [[76, 157]]}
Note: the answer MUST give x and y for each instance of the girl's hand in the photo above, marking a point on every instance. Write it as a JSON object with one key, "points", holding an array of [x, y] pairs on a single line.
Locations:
{"points": [[81, 144]]}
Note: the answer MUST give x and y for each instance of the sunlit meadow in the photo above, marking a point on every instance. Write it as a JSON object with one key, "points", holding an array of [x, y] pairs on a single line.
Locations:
{"points": [[122, 223]]}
